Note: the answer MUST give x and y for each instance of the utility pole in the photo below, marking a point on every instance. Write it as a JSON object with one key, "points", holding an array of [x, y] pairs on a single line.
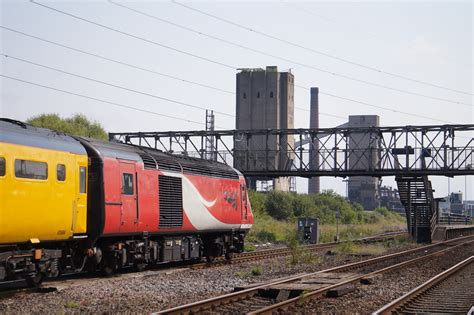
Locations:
{"points": [[210, 153]]}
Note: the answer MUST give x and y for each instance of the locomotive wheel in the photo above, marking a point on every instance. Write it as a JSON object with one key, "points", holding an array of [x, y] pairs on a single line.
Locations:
{"points": [[35, 281], [139, 266], [210, 259], [229, 256], [109, 266]]}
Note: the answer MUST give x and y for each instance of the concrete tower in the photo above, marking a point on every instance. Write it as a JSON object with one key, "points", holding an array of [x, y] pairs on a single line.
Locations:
{"points": [[364, 153], [265, 100], [313, 182]]}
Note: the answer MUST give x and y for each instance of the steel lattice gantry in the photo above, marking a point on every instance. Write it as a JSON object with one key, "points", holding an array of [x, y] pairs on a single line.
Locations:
{"points": [[374, 151], [410, 153]]}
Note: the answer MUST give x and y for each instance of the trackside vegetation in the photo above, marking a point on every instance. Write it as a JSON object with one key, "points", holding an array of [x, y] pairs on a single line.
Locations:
{"points": [[78, 125], [275, 215]]}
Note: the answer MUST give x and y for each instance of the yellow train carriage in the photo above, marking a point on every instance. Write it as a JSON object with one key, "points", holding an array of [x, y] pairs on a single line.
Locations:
{"points": [[43, 185]]}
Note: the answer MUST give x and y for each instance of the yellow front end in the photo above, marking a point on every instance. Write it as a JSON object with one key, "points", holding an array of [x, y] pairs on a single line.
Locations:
{"points": [[43, 194]]}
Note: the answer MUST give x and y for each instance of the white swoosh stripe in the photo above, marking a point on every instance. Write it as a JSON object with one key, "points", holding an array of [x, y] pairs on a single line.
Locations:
{"points": [[195, 207]]}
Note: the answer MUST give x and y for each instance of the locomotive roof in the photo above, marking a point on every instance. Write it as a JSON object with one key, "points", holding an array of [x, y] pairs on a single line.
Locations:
{"points": [[156, 159], [16, 132]]}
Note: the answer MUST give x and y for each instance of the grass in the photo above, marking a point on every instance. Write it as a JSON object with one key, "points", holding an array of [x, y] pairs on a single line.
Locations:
{"points": [[267, 229], [255, 271], [250, 248], [71, 305], [350, 247], [355, 231]]}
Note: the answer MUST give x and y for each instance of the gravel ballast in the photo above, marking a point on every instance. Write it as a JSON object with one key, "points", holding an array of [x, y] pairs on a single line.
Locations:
{"points": [[156, 290]]}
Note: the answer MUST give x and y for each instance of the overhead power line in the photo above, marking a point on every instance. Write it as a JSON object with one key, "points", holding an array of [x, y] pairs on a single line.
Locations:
{"points": [[284, 58], [376, 106], [377, 36], [140, 68], [111, 84], [319, 52], [117, 61], [298, 86], [248, 48], [100, 100], [198, 107], [134, 36]]}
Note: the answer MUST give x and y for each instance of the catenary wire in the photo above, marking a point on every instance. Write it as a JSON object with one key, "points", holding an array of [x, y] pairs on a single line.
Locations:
{"points": [[195, 106], [343, 98], [141, 68], [319, 52], [378, 37], [286, 59], [116, 61], [111, 84], [134, 36], [254, 50], [100, 100], [375, 106], [335, 96]]}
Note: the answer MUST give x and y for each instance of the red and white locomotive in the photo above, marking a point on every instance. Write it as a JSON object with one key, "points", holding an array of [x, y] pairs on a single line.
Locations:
{"points": [[71, 203], [158, 207]]}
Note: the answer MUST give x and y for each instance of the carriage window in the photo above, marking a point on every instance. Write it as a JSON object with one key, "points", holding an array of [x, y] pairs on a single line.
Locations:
{"points": [[31, 169], [82, 179], [61, 172], [2, 166], [127, 184]]}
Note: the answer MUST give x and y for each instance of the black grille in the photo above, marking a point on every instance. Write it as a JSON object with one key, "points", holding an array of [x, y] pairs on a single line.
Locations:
{"points": [[171, 201], [169, 164], [148, 161], [189, 165]]}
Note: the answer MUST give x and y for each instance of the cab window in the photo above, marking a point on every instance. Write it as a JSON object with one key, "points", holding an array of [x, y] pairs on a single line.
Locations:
{"points": [[61, 172], [2, 166], [127, 184], [82, 179], [31, 169]]}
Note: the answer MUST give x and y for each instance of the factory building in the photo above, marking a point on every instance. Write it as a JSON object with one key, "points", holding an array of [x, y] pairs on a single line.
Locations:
{"points": [[265, 100], [364, 151]]}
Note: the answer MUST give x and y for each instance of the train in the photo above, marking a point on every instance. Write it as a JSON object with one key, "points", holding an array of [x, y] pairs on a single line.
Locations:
{"points": [[72, 204]]}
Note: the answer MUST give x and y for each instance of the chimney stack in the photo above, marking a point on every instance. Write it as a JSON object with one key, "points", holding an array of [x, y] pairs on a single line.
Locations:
{"points": [[313, 182]]}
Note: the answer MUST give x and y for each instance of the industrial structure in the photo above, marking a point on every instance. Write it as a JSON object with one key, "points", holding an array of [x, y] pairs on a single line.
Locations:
{"points": [[411, 153], [314, 182], [390, 199], [364, 190], [265, 100], [266, 147]]}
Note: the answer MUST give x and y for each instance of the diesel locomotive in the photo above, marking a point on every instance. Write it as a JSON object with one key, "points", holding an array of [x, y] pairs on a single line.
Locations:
{"points": [[69, 204]]}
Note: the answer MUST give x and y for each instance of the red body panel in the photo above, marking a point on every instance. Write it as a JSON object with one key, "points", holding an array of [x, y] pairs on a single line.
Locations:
{"points": [[224, 201]]}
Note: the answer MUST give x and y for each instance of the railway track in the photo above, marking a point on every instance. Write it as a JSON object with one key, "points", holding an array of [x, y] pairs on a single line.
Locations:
{"points": [[14, 288], [278, 252], [449, 292], [285, 294]]}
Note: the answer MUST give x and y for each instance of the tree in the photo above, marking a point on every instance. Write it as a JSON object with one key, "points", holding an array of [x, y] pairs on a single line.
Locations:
{"points": [[77, 125], [279, 205]]}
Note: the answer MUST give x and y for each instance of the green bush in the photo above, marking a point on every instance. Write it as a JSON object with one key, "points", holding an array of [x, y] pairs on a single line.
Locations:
{"points": [[256, 270], [275, 216], [279, 205], [78, 125]]}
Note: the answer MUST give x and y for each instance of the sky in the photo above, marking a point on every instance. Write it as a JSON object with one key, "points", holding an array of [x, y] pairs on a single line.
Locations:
{"points": [[357, 53]]}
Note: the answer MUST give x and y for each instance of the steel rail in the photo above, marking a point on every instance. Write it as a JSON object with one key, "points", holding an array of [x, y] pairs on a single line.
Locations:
{"points": [[413, 294], [271, 253], [250, 292], [317, 293]]}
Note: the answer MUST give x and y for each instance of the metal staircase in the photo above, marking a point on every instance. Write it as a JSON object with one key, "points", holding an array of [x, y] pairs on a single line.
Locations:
{"points": [[416, 195]]}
